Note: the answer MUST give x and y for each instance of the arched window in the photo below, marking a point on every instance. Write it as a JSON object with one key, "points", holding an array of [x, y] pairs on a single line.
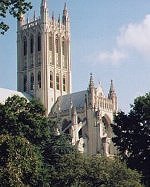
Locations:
{"points": [[51, 79], [56, 43], [25, 46], [50, 43], [31, 44], [57, 81], [32, 82], [64, 83], [39, 42], [63, 46], [39, 79], [25, 83]]}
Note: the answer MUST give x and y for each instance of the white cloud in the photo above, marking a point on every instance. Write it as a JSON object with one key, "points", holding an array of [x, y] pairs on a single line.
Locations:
{"points": [[114, 57], [136, 36]]}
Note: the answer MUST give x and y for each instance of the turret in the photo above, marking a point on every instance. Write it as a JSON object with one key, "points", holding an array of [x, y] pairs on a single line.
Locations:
{"points": [[91, 91], [44, 11], [20, 22], [112, 96]]}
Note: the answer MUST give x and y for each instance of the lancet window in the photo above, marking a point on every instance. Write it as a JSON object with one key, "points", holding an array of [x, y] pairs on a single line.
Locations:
{"points": [[25, 46], [39, 79], [64, 83], [63, 46], [25, 83], [39, 42], [56, 43], [51, 80], [31, 44], [50, 43], [57, 82], [32, 82]]}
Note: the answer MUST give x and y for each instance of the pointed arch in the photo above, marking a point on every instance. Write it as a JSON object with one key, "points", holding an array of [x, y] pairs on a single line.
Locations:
{"points": [[32, 81], [106, 121], [39, 79], [64, 83], [50, 42], [56, 43], [39, 42], [31, 43], [25, 83], [57, 81], [63, 45], [51, 79], [25, 46]]}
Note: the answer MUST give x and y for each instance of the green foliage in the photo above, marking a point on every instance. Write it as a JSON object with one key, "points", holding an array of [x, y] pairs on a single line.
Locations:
{"points": [[21, 120], [33, 154], [132, 135], [13, 7], [20, 161], [69, 170], [106, 172], [94, 171]]}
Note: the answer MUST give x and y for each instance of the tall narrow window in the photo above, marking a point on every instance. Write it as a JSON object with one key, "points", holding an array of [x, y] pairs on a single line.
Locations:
{"points": [[64, 83], [31, 44], [25, 46], [51, 79], [56, 43], [39, 79], [39, 42], [57, 81], [63, 46], [32, 82], [50, 43], [25, 83]]}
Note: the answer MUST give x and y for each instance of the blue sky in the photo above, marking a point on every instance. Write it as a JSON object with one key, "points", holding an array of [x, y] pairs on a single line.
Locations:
{"points": [[110, 38]]}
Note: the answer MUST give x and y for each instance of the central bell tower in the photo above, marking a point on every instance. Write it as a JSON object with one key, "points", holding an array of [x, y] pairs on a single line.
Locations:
{"points": [[43, 56]]}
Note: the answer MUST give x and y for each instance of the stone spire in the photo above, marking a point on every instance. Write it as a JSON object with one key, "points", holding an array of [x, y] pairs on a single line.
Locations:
{"points": [[44, 11], [65, 12], [44, 4], [112, 96], [91, 83], [65, 17], [91, 91], [111, 87]]}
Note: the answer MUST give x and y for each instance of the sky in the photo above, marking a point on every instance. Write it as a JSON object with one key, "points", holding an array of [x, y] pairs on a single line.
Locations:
{"points": [[109, 38]]}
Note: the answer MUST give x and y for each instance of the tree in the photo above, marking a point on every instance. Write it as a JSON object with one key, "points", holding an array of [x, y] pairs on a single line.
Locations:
{"points": [[15, 8], [18, 117], [94, 171], [132, 135], [20, 162], [33, 154], [26, 121], [106, 172]]}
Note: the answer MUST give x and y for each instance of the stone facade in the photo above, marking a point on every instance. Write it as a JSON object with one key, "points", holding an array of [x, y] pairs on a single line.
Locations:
{"points": [[43, 52], [44, 71], [87, 116]]}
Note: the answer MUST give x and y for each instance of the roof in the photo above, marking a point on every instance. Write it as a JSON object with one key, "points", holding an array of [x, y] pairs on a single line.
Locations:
{"points": [[76, 99], [5, 93]]}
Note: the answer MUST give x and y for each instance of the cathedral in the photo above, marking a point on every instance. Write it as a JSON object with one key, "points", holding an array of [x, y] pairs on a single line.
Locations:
{"points": [[44, 72]]}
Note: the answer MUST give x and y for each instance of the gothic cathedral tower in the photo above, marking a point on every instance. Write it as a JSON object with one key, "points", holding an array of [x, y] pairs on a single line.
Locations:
{"points": [[43, 56]]}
